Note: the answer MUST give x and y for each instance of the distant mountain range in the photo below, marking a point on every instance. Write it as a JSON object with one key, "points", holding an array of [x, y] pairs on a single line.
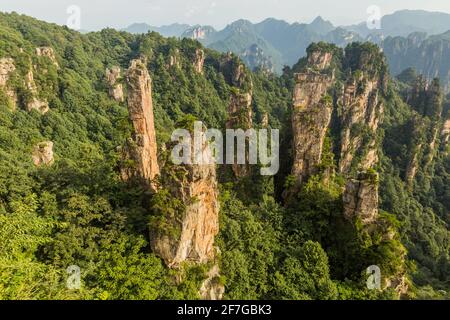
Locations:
{"points": [[410, 38]]}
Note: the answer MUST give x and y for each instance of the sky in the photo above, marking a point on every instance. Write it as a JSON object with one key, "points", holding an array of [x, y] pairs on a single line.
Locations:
{"points": [[97, 14]]}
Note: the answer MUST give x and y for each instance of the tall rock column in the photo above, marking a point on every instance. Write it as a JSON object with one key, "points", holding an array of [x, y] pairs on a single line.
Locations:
{"points": [[143, 149], [311, 115], [195, 225], [240, 113]]}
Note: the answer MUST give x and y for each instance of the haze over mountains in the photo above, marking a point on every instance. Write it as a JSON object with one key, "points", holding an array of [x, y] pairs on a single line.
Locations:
{"points": [[410, 38]]}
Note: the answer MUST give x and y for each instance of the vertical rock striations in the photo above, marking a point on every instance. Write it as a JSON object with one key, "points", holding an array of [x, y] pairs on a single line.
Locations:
{"points": [[361, 198], [311, 115], [240, 113], [7, 67], [195, 224], [361, 110], [34, 103], [199, 61], [143, 148]]}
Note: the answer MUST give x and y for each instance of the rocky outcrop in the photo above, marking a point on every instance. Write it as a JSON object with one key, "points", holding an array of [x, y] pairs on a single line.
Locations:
{"points": [[114, 86], [47, 52], [320, 59], [240, 117], [6, 68], [196, 186], [360, 198], [199, 61], [35, 103], [240, 113], [43, 154], [311, 116], [143, 148], [362, 110]]}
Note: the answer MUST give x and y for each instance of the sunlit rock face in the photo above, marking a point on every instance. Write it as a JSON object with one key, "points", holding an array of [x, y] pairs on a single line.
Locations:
{"points": [[195, 185], [43, 154], [47, 52], [34, 102], [361, 198], [7, 67], [199, 61], [311, 116], [143, 148]]}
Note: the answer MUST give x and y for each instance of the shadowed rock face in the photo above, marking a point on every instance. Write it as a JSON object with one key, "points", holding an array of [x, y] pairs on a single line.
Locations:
{"points": [[43, 154], [311, 116], [362, 110], [143, 149], [115, 88], [361, 198], [47, 52], [35, 103]]}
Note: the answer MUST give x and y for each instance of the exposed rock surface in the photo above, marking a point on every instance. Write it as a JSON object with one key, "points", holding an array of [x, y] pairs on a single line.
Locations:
{"points": [[6, 68], [43, 154], [196, 186], [47, 52], [199, 61], [361, 198], [115, 88], [143, 149], [362, 110], [311, 116], [240, 117], [35, 103], [319, 59]]}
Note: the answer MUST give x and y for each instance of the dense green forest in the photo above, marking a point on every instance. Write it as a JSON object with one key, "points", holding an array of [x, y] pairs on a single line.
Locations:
{"points": [[79, 211]]}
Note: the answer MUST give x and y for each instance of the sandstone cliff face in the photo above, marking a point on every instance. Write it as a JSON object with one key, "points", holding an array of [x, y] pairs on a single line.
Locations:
{"points": [[361, 198], [115, 88], [6, 68], [43, 154], [47, 52], [319, 59], [240, 113], [199, 61], [35, 103], [196, 186], [311, 116], [143, 149], [426, 99], [362, 110]]}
